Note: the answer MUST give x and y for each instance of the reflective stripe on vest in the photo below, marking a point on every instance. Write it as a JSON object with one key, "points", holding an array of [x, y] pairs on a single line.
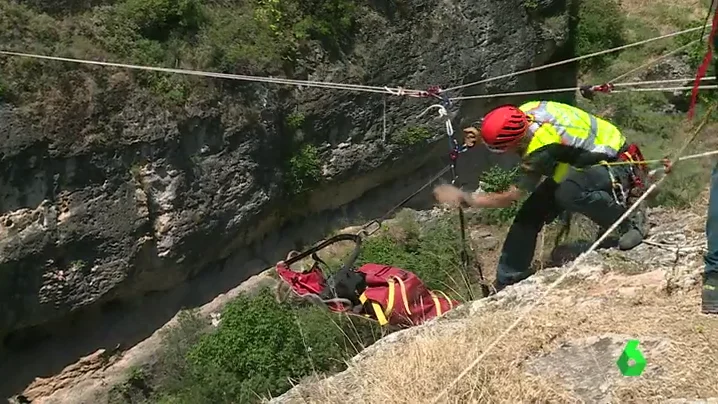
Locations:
{"points": [[553, 122]]}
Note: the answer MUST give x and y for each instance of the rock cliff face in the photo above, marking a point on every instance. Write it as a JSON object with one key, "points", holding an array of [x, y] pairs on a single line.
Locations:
{"points": [[108, 196]]}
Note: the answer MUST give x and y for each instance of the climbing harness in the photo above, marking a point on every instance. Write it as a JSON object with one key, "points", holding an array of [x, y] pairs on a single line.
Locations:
{"points": [[637, 171], [619, 193], [637, 175]]}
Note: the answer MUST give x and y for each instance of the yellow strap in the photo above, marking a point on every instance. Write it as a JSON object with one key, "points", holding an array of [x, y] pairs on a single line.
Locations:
{"points": [[403, 294], [451, 304], [392, 293], [437, 303], [379, 313]]}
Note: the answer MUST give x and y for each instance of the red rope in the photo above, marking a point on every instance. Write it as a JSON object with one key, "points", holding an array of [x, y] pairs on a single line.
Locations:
{"points": [[703, 67]]}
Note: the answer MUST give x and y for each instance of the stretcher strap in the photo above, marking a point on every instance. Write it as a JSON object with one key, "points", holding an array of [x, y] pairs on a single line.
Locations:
{"points": [[451, 303], [437, 303], [381, 314]]}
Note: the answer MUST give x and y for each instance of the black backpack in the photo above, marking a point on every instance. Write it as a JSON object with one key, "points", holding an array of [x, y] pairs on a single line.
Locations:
{"points": [[345, 284]]}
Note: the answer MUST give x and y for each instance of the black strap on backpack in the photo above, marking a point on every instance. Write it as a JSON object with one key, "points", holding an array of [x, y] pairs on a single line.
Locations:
{"points": [[345, 283]]}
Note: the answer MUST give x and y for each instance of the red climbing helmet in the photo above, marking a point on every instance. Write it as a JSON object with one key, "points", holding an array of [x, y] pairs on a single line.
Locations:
{"points": [[503, 127]]}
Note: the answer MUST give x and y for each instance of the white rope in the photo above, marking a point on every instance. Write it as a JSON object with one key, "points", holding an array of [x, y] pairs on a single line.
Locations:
{"points": [[274, 80], [690, 157], [383, 135], [546, 292], [696, 156], [642, 90], [572, 89], [575, 59], [443, 113], [573, 266], [398, 91], [646, 82], [658, 59]]}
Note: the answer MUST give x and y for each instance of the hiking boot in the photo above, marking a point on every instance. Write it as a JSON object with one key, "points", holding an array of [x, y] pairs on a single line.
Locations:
{"points": [[633, 230], [496, 287], [709, 300], [629, 240], [499, 286], [610, 241]]}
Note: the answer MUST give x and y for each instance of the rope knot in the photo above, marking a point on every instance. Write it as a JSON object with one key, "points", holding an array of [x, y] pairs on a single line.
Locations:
{"points": [[399, 91], [667, 165], [588, 92]]}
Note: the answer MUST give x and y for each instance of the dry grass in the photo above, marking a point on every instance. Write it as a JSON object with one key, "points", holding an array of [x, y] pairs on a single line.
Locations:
{"points": [[416, 370]]}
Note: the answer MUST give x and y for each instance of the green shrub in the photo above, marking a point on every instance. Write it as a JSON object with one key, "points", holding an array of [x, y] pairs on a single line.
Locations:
{"points": [[305, 169], [497, 179], [295, 120], [259, 348], [412, 135], [601, 26], [236, 42], [683, 185], [158, 19], [172, 371], [331, 20], [261, 344], [531, 5], [227, 37]]}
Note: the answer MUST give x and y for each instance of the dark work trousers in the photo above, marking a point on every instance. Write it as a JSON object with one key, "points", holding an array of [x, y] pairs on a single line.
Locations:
{"points": [[587, 192], [711, 257]]}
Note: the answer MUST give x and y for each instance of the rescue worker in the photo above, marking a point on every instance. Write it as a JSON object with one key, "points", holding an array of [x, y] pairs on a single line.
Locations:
{"points": [[565, 144], [709, 299], [709, 296]]}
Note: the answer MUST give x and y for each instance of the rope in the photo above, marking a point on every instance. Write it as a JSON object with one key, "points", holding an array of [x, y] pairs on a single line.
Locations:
{"points": [[402, 203], [654, 161], [398, 91], [657, 59], [454, 151], [703, 67], [575, 59], [570, 89], [309, 83], [642, 90], [573, 266]]}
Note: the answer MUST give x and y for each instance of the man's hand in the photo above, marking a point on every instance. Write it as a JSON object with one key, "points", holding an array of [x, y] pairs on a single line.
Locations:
{"points": [[449, 195], [453, 196]]}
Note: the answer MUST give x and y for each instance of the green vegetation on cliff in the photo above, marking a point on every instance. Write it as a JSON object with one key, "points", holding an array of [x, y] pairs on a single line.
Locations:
{"points": [[266, 36]]}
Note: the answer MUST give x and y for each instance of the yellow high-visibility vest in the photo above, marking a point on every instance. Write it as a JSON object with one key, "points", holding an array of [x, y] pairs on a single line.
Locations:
{"points": [[554, 122]]}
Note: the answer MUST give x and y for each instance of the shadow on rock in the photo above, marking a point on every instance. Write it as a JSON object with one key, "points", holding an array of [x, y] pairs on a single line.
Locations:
{"points": [[565, 253]]}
